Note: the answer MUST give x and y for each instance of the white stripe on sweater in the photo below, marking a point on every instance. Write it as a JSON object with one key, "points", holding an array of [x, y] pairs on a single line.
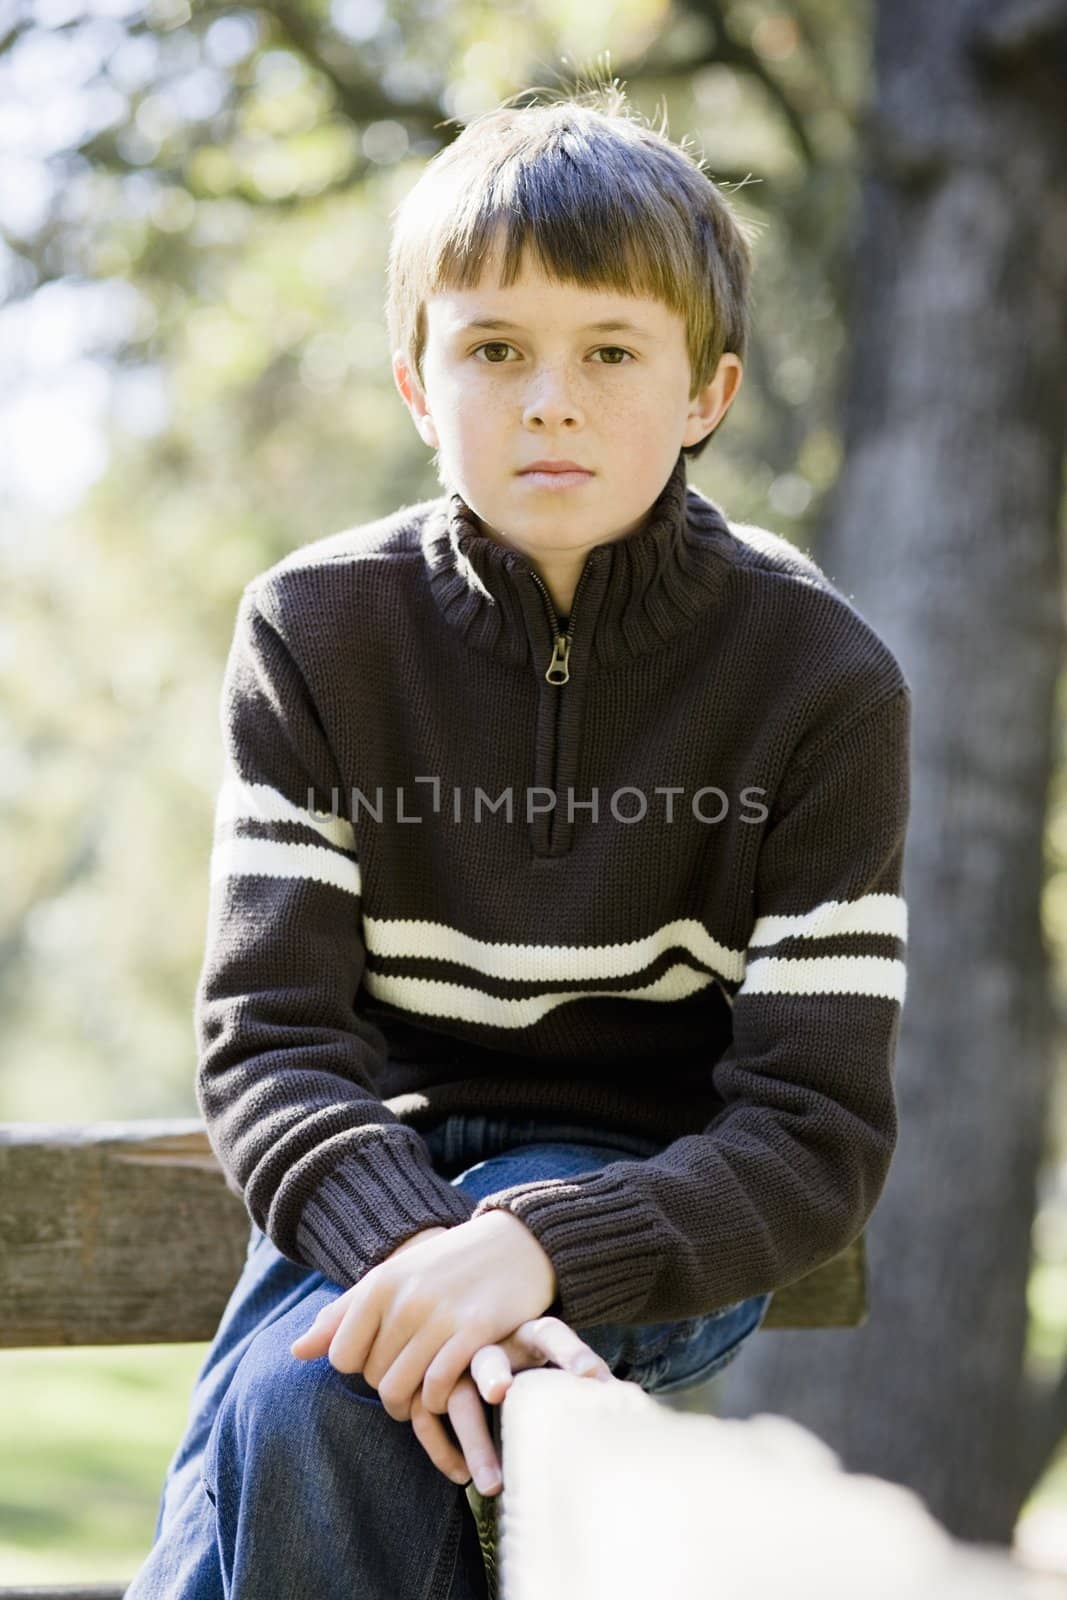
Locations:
{"points": [[269, 858], [875, 975], [259, 802], [523, 962], [871, 913], [426, 997], [413, 938], [462, 1003]]}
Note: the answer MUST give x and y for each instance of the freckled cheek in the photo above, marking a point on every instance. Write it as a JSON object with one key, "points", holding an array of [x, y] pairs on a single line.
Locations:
{"points": [[476, 400], [468, 409], [474, 403], [637, 419]]}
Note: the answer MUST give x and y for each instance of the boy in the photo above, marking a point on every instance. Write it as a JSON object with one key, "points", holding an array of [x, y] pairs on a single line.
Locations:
{"points": [[555, 954]]}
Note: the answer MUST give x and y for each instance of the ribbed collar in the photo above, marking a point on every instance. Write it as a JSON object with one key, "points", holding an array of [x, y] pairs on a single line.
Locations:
{"points": [[636, 592]]}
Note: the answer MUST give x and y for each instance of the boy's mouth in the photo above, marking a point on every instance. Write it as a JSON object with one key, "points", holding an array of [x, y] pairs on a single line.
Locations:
{"points": [[559, 474], [554, 464]]}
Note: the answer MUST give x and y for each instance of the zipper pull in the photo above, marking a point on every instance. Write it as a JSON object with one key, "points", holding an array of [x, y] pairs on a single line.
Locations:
{"points": [[561, 650]]}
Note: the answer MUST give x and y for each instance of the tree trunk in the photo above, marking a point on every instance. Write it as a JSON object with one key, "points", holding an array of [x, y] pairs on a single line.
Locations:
{"points": [[944, 532]]}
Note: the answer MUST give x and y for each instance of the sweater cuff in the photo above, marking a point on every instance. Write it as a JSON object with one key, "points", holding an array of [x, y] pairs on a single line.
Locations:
{"points": [[601, 1238], [367, 1205]]}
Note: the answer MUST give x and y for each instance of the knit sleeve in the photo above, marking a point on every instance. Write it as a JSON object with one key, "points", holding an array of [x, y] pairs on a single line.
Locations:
{"points": [[286, 1065], [787, 1174]]}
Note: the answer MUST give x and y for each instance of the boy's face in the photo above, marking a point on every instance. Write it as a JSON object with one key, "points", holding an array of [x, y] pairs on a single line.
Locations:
{"points": [[550, 387]]}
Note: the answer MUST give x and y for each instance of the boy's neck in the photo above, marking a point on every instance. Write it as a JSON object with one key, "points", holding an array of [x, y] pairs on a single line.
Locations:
{"points": [[559, 570], [560, 575]]}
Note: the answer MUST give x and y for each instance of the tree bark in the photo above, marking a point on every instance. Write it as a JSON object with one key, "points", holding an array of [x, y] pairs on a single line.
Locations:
{"points": [[943, 530]]}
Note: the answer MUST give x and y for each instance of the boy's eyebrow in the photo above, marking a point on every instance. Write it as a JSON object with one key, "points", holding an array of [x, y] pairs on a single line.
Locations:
{"points": [[606, 325]]}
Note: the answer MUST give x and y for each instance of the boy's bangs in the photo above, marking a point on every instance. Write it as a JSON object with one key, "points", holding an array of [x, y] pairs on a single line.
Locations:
{"points": [[576, 228]]}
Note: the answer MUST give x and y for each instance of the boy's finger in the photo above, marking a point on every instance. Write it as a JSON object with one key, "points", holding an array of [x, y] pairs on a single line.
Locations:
{"points": [[492, 1371], [403, 1378], [466, 1411], [433, 1434], [355, 1336], [559, 1342], [446, 1369]]}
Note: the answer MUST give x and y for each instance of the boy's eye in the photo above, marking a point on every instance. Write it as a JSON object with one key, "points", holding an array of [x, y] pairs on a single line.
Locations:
{"points": [[500, 344], [494, 344]]}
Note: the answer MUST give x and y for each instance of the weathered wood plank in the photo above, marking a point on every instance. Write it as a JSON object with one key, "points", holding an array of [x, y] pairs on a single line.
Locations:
{"points": [[114, 1233], [126, 1233], [834, 1296], [91, 1591]]}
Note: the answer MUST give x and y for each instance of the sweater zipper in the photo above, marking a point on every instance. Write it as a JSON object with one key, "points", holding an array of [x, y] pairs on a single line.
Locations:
{"points": [[558, 670], [557, 674]]}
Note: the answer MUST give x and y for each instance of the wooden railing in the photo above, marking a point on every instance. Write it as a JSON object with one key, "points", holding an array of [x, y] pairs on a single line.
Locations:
{"points": [[127, 1233]]}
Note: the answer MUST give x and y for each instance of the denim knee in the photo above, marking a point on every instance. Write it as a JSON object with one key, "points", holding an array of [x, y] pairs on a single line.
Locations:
{"points": [[276, 1406], [317, 1492]]}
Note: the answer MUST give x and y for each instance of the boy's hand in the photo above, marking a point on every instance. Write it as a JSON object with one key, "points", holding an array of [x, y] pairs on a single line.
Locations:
{"points": [[534, 1344], [416, 1319], [416, 1238]]}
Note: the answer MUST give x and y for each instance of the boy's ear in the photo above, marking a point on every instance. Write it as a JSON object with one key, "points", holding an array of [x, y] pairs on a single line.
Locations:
{"points": [[413, 397], [708, 407]]}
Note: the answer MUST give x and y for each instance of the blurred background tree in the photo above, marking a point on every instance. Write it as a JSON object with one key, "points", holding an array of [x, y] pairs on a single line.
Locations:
{"points": [[195, 380], [946, 522]]}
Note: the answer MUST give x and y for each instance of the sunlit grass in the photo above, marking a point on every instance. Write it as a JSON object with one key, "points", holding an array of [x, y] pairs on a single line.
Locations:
{"points": [[85, 1439]]}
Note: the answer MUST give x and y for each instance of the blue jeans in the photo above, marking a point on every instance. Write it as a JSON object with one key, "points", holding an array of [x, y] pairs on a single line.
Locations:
{"points": [[293, 1482]]}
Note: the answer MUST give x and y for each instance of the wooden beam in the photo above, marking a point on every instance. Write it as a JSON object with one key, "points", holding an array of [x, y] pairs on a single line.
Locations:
{"points": [[114, 1233], [127, 1233], [78, 1591]]}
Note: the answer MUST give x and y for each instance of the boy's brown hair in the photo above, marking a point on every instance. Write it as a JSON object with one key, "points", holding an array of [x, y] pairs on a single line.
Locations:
{"points": [[600, 196]]}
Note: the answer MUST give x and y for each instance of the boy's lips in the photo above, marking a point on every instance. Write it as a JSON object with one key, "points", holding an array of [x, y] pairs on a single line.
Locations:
{"points": [[555, 475]]}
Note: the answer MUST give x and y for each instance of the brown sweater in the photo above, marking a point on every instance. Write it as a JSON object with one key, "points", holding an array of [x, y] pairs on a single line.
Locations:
{"points": [[645, 875]]}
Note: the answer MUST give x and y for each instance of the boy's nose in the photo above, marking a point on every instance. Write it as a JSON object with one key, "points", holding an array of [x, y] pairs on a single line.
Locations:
{"points": [[551, 404]]}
